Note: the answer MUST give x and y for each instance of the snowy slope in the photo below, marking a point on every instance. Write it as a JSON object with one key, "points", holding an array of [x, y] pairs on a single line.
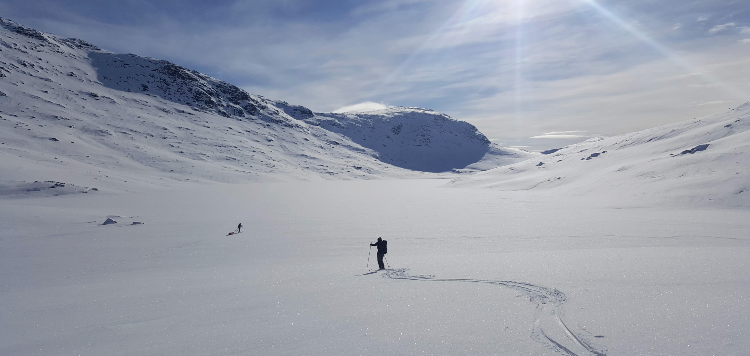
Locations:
{"points": [[700, 161], [417, 139], [70, 111]]}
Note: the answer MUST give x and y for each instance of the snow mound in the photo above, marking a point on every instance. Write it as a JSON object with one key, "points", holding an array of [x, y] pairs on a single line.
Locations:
{"points": [[702, 161]]}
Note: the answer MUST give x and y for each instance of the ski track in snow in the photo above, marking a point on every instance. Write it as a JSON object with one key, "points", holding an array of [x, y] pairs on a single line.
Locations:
{"points": [[548, 311]]}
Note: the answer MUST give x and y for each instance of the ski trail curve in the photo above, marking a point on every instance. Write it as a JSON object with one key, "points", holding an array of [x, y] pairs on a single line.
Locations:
{"points": [[549, 327]]}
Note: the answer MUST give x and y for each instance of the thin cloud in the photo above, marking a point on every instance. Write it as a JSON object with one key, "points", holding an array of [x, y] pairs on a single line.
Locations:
{"points": [[716, 102], [712, 85], [721, 28], [383, 6], [362, 107], [682, 76], [563, 134]]}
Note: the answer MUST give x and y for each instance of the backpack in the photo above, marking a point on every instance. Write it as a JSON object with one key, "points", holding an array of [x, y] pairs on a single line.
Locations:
{"points": [[385, 247]]}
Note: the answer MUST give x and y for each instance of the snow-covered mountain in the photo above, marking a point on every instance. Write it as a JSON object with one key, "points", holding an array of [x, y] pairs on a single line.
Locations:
{"points": [[418, 139], [699, 161], [71, 110]]}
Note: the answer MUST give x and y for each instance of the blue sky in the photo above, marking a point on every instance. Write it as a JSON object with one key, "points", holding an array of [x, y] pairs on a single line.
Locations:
{"points": [[536, 73]]}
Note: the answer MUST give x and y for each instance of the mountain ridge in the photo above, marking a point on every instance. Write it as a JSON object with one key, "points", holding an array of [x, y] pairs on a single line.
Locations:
{"points": [[69, 106]]}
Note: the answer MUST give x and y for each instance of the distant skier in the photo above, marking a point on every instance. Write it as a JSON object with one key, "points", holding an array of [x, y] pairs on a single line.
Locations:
{"points": [[239, 227], [382, 250]]}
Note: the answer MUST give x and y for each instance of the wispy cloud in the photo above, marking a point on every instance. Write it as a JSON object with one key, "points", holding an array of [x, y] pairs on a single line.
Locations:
{"points": [[721, 28], [367, 8], [709, 85], [362, 107], [563, 134], [716, 102]]}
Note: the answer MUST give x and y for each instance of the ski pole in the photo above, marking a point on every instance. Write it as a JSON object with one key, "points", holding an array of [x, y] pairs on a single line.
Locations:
{"points": [[368, 258]]}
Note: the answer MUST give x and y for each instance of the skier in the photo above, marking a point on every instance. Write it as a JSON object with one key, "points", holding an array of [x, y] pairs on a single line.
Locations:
{"points": [[382, 250], [239, 227]]}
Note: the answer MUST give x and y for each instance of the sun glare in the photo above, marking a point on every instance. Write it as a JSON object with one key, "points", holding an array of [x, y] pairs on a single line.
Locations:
{"points": [[682, 62]]}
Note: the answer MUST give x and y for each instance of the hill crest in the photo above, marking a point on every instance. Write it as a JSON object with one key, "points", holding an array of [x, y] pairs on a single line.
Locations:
{"points": [[70, 107]]}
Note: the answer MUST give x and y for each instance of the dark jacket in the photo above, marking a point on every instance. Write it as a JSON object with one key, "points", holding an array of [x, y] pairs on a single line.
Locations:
{"points": [[382, 246]]}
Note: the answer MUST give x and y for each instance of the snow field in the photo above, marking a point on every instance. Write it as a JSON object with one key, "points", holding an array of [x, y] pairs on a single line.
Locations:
{"points": [[633, 280], [700, 162]]}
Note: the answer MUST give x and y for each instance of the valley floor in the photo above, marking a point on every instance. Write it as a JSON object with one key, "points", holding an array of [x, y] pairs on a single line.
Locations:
{"points": [[471, 271]]}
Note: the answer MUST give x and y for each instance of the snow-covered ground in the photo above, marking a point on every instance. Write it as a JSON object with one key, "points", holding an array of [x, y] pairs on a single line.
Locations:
{"points": [[629, 245], [699, 162], [472, 271]]}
